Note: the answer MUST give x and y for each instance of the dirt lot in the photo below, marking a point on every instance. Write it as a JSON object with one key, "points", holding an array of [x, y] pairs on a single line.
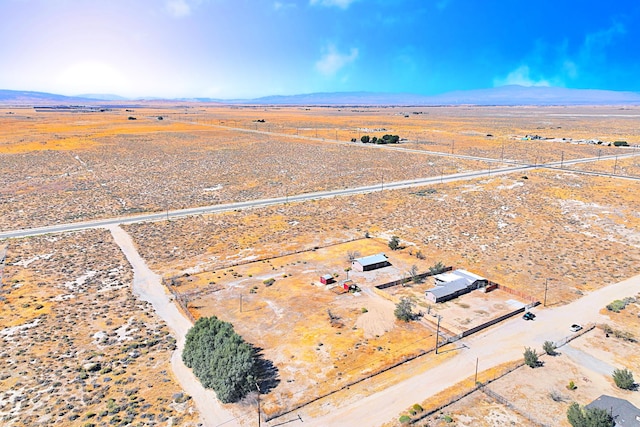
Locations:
{"points": [[305, 324], [76, 346]]}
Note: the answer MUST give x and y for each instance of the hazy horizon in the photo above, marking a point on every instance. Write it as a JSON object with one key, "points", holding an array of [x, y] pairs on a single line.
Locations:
{"points": [[249, 49]]}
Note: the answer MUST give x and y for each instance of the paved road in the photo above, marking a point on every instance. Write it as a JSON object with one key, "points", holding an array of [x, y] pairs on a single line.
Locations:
{"points": [[383, 186], [159, 216]]}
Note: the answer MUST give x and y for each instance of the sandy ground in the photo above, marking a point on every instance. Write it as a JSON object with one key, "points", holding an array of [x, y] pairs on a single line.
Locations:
{"points": [[148, 287], [510, 338]]}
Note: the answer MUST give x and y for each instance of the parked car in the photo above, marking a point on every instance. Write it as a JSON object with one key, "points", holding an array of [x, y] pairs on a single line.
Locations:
{"points": [[528, 316], [575, 327]]}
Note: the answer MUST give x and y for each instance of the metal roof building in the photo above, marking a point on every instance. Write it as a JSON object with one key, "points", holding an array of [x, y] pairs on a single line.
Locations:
{"points": [[452, 284], [622, 411], [370, 262]]}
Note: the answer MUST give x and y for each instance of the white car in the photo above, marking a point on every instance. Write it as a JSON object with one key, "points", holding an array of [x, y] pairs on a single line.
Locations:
{"points": [[575, 327]]}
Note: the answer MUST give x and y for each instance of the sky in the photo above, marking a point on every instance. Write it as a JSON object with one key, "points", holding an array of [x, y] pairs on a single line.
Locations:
{"points": [[251, 48]]}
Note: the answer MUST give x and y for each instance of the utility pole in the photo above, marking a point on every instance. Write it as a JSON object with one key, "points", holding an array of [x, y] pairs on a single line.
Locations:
{"points": [[258, 387], [438, 333], [240, 303], [502, 154], [546, 283], [475, 381], [561, 159], [615, 165]]}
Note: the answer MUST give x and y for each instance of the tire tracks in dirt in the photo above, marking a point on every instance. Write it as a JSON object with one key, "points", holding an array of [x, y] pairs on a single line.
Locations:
{"points": [[148, 286]]}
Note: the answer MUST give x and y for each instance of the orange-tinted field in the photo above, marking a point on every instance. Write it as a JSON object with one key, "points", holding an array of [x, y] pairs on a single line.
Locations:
{"points": [[65, 167]]}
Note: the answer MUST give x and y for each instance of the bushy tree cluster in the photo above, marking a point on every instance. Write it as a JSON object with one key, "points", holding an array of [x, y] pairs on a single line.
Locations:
{"points": [[220, 358], [588, 417], [386, 139]]}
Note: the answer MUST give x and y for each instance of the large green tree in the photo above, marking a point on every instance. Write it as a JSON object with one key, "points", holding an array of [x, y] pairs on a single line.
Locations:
{"points": [[404, 309], [220, 358], [588, 417]]}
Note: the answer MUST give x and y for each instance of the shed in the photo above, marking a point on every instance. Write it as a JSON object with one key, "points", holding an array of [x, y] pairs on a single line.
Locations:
{"points": [[327, 279], [371, 262], [347, 284], [622, 411]]}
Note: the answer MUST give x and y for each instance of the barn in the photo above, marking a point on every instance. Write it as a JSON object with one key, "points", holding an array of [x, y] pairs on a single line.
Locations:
{"points": [[371, 262]]}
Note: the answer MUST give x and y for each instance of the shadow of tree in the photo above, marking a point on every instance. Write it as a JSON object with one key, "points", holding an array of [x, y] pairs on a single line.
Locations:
{"points": [[267, 374]]}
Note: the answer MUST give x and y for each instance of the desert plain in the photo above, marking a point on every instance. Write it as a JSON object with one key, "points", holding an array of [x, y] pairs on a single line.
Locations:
{"points": [[81, 347]]}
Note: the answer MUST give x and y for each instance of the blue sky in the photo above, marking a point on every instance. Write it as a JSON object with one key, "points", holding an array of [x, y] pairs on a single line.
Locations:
{"points": [[252, 48]]}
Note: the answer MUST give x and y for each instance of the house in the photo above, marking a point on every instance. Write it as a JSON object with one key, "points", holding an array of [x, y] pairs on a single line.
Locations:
{"points": [[452, 284], [471, 280], [623, 412], [371, 262], [327, 279]]}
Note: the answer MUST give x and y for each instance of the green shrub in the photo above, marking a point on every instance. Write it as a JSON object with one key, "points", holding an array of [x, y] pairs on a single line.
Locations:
{"points": [[269, 282], [405, 419], [394, 243], [549, 347], [624, 379], [571, 386], [620, 143], [530, 358], [364, 310], [616, 306], [416, 407]]}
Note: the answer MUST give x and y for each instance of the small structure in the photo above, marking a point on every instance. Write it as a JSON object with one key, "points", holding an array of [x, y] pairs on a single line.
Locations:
{"points": [[327, 279], [347, 285], [622, 411], [371, 262], [452, 284]]}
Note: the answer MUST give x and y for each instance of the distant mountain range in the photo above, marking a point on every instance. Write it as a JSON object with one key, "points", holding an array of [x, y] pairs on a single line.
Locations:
{"points": [[504, 95]]}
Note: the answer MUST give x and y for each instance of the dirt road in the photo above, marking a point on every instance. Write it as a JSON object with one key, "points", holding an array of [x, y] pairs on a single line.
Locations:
{"points": [[148, 286], [497, 345]]}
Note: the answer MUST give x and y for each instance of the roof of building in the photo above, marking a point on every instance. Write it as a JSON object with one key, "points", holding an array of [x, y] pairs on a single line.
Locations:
{"points": [[456, 275], [449, 289], [371, 259], [624, 413], [326, 276]]}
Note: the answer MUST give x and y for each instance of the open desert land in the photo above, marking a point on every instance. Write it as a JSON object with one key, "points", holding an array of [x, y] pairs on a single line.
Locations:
{"points": [[77, 347], [100, 164], [541, 228]]}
